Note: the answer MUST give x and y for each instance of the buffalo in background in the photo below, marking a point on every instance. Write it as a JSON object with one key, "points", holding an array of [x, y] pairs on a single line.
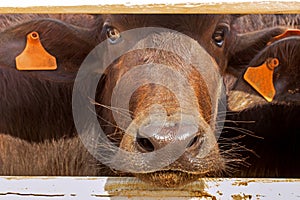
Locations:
{"points": [[273, 134]]}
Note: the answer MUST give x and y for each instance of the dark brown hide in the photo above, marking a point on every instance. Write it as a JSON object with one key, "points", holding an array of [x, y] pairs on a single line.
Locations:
{"points": [[63, 157], [268, 137], [276, 122], [81, 20], [36, 105], [249, 23], [272, 128], [253, 32], [285, 78]]}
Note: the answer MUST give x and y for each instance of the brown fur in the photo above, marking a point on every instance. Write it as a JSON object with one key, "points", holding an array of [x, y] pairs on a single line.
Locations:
{"points": [[241, 50], [66, 157], [81, 20], [272, 137], [39, 102], [188, 167], [36, 106], [255, 32], [249, 23]]}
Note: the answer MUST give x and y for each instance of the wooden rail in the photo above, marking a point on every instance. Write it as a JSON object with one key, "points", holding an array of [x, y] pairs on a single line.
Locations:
{"points": [[131, 188], [187, 6]]}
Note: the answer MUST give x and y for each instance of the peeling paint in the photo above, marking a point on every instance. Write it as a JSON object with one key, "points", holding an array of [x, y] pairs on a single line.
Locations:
{"points": [[159, 6], [110, 188], [31, 194], [241, 197]]}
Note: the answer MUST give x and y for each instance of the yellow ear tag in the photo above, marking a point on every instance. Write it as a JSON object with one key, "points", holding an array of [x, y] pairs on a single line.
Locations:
{"points": [[34, 56], [261, 78]]}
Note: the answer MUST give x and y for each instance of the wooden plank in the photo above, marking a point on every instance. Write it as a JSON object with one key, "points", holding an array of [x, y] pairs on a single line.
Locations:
{"points": [[158, 7], [131, 188]]}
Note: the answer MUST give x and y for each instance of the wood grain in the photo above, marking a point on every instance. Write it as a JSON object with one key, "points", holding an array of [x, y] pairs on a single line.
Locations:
{"points": [[217, 8]]}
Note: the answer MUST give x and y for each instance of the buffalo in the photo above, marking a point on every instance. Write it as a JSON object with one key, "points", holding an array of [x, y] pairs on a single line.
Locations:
{"points": [[273, 127], [36, 105], [169, 129]]}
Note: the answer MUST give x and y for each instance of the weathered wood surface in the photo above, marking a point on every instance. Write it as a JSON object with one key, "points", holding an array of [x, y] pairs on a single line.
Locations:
{"points": [[161, 6], [131, 188]]}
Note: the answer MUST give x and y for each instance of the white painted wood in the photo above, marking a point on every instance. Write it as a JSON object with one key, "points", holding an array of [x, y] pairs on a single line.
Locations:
{"points": [[131, 188], [28, 3], [150, 6]]}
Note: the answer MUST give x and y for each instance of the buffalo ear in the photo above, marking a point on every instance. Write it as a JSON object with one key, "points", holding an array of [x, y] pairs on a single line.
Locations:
{"points": [[247, 45], [284, 80], [244, 48]]}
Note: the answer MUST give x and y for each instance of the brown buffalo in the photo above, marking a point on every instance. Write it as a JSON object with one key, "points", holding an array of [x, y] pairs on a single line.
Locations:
{"points": [[145, 133], [25, 113], [286, 75], [36, 105], [273, 134]]}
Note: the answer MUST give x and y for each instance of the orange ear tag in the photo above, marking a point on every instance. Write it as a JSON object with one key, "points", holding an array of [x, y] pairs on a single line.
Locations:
{"points": [[261, 78], [287, 33], [34, 56]]}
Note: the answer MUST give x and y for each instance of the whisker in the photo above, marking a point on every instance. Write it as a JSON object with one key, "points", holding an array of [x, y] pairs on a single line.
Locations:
{"points": [[106, 121], [245, 131], [236, 122], [237, 147], [122, 111]]}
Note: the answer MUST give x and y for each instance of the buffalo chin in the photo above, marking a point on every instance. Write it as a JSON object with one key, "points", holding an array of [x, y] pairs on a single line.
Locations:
{"points": [[168, 178]]}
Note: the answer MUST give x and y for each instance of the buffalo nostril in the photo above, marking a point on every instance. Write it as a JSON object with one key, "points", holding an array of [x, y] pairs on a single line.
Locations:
{"points": [[193, 141], [144, 144]]}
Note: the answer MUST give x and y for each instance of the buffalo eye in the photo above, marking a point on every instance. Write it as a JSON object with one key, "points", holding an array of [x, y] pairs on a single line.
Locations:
{"points": [[113, 35], [219, 35]]}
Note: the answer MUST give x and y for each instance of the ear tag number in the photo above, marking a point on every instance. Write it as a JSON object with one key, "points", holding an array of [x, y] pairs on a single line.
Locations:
{"points": [[34, 56], [261, 78]]}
